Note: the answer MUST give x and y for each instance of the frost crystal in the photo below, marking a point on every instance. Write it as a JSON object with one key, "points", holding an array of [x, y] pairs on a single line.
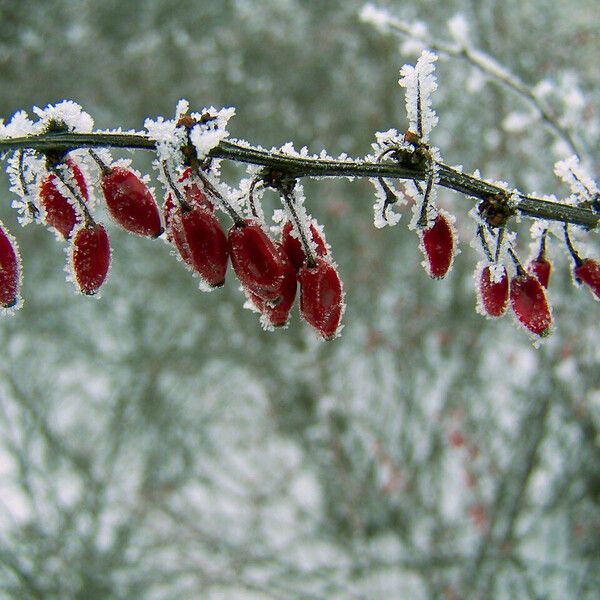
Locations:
{"points": [[254, 208], [386, 199], [575, 176], [66, 112], [20, 125], [209, 134], [420, 83], [304, 217], [168, 137], [25, 170]]}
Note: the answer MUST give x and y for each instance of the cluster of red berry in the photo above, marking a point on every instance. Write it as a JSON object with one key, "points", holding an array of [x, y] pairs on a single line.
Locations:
{"points": [[268, 270], [526, 290]]}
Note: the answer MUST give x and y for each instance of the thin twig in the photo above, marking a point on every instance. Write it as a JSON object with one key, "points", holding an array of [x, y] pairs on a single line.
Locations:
{"points": [[491, 67], [298, 166]]}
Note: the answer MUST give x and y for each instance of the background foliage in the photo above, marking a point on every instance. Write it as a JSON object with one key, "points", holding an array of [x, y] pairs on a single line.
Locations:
{"points": [[156, 443]]}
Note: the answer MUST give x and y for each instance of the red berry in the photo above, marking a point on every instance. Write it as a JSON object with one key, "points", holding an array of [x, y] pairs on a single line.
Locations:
{"points": [[204, 244], [277, 314], [90, 257], [293, 246], [192, 191], [174, 228], [199, 238], [79, 177], [438, 246], [493, 295], [130, 202], [256, 260], [588, 272], [9, 271], [541, 268], [60, 210], [321, 297], [529, 303]]}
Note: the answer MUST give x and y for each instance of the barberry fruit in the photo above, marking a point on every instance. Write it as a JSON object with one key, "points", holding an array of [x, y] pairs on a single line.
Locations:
{"points": [[437, 243], [277, 314], [202, 244], [541, 267], [60, 212], [529, 303], [256, 260], [174, 228], [588, 272], [193, 193], [493, 291], [321, 297], [130, 202], [9, 271], [90, 257], [293, 246], [197, 235]]}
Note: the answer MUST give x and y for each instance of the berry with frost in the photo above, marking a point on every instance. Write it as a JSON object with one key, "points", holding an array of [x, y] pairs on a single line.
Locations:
{"points": [[321, 297], [204, 244], [493, 292], [542, 268], [60, 211], [193, 193], [9, 271], [197, 235], [278, 314], [130, 202], [588, 272], [90, 257], [437, 243], [256, 260], [529, 303], [293, 246]]}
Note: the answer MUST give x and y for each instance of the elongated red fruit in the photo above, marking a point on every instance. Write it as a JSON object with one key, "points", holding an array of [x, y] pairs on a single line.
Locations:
{"points": [[174, 228], [197, 235], [293, 246], [90, 257], [438, 246], [321, 297], [256, 260], [193, 193], [9, 271], [541, 268], [588, 272], [529, 303], [493, 292], [204, 244], [278, 314], [60, 211], [130, 202]]}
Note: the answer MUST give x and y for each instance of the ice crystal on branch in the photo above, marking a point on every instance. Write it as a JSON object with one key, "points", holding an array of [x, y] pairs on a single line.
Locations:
{"points": [[168, 136], [420, 83], [211, 129], [387, 196], [576, 177], [66, 113], [386, 199]]}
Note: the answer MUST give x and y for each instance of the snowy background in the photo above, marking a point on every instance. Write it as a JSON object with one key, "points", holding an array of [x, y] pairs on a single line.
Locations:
{"points": [[156, 443]]}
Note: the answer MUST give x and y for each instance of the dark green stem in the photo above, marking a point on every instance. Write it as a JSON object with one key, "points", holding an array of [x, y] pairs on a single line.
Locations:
{"points": [[405, 167]]}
